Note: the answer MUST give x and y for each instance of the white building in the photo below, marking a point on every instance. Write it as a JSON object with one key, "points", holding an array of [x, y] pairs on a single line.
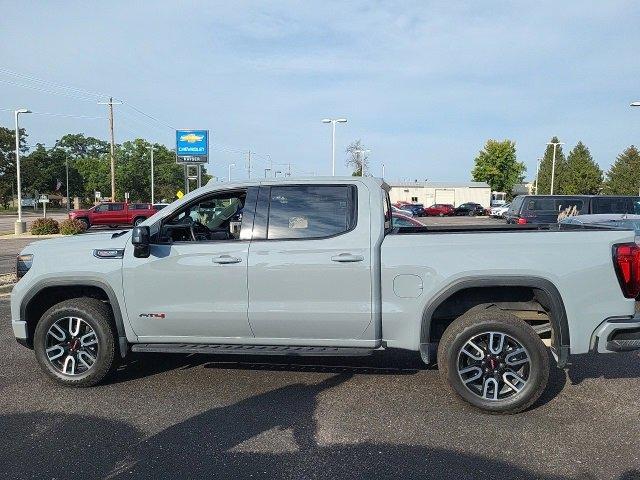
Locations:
{"points": [[428, 193]]}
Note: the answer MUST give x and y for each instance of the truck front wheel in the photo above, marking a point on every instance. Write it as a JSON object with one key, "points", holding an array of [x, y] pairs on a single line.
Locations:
{"points": [[494, 361], [75, 342]]}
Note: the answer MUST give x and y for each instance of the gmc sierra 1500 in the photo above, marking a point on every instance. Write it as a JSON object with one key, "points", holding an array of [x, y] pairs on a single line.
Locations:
{"points": [[315, 267]]}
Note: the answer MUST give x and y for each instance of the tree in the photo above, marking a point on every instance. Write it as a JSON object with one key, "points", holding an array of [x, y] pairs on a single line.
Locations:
{"points": [[544, 175], [498, 165], [583, 176], [623, 178], [357, 158]]}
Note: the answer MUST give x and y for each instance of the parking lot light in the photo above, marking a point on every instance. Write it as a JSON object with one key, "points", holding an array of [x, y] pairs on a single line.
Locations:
{"points": [[20, 226], [333, 122]]}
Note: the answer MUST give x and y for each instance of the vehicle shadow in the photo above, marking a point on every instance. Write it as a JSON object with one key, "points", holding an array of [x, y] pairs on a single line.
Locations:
{"points": [[609, 366], [271, 435]]}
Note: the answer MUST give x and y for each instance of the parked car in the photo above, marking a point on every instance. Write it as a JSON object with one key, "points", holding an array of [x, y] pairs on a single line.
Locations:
{"points": [[416, 209], [499, 212], [159, 206], [471, 209], [395, 209], [439, 210], [547, 208], [316, 268], [402, 220], [114, 214]]}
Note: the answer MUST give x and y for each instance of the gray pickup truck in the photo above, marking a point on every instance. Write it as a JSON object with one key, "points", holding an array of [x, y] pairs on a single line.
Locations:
{"points": [[316, 267]]}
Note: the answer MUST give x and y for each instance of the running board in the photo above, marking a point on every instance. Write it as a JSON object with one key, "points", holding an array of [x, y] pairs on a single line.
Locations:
{"points": [[223, 349]]}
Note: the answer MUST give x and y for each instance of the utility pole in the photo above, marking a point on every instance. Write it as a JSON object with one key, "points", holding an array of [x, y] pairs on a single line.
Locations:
{"points": [[383, 170], [553, 164], [111, 103], [152, 193], [537, 174], [249, 164], [20, 226], [66, 161]]}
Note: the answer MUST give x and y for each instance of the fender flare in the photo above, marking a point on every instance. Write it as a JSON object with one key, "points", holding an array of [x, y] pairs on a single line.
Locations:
{"points": [[81, 281], [555, 304]]}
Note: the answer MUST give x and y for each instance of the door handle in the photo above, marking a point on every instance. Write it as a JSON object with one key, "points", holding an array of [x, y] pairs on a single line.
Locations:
{"points": [[347, 257], [226, 259]]}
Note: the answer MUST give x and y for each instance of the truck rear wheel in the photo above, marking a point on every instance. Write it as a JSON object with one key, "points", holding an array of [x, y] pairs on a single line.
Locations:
{"points": [[138, 221], [75, 342], [494, 361]]}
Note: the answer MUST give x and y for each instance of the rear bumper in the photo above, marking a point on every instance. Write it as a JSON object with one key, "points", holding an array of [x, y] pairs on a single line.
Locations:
{"points": [[617, 334]]}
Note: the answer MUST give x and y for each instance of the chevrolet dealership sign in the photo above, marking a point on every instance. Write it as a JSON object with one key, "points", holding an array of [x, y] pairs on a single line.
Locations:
{"points": [[192, 146]]}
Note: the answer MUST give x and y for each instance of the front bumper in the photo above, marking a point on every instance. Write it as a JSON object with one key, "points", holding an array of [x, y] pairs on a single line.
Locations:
{"points": [[617, 334]]}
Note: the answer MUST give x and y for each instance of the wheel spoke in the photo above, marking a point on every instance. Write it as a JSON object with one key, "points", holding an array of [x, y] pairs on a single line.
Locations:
{"points": [[86, 358], [88, 339], [69, 366], [490, 381], [58, 333], [479, 355], [515, 385], [496, 342], [74, 326], [58, 349], [476, 375], [511, 359]]}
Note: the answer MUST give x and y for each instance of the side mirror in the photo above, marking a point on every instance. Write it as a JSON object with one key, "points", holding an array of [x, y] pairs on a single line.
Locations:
{"points": [[140, 240]]}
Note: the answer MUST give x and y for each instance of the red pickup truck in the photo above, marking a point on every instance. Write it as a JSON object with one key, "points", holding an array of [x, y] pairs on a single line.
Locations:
{"points": [[114, 214]]}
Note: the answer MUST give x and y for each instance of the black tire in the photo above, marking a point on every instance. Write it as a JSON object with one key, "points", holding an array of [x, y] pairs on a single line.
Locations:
{"points": [[85, 222], [474, 323], [471, 213], [98, 316], [138, 221]]}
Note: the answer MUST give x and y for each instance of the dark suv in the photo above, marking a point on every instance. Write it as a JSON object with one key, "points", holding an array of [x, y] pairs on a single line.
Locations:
{"points": [[546, 208]]}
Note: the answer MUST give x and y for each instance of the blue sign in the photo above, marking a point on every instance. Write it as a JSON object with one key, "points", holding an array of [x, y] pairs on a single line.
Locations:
{"points": [[192, 143]]}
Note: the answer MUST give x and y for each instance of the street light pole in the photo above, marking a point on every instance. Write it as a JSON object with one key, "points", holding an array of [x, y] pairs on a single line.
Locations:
{"points": [[383, 170], [333, 122], [537, 173], [20, 226], [553, 164], [66, 162]]}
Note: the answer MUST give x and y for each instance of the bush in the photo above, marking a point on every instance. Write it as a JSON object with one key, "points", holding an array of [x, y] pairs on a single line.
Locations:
{"points": [[71, 226], [44, 226]]}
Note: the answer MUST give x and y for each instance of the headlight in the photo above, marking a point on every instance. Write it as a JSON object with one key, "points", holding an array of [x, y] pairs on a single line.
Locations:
{"points": [[23, 264]]}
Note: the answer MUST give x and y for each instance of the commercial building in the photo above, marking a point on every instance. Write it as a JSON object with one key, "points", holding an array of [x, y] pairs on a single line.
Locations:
{"points": [[428, 193]]}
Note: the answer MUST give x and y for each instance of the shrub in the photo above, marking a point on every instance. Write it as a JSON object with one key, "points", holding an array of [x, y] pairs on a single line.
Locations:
{"points": [[71, 226], [44, 226]]}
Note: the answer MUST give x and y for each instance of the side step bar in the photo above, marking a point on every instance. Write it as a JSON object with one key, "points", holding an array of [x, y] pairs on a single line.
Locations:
{"points": [[223, 349]]}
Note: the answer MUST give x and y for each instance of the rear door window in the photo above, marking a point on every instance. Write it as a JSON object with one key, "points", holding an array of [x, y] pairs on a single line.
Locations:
{"points": [[311, 211]]}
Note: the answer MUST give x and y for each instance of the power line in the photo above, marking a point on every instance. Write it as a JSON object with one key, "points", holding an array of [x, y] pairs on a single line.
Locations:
{"points": [[44, 90], [32, 78]]}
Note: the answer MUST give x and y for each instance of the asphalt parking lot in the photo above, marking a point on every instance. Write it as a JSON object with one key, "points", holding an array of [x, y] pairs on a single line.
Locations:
{"points": [[386, 416]]}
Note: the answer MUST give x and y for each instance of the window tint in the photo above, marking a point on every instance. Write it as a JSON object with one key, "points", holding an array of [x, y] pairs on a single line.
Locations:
{"points": [[402, 222], [516, 204], [310, 211], [387, 212], [563, 203], [116, 207], [103, 207], [139, 206], [616, 205]]}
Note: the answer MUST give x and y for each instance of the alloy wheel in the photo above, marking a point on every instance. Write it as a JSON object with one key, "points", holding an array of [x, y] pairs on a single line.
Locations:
{"points": [[71, 346], [494, 366]]}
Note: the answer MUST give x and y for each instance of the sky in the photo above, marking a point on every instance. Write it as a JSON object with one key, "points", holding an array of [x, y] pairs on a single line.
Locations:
{"points": [[423, 84]]}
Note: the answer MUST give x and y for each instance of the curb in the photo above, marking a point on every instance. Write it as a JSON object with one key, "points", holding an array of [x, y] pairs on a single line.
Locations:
{"points": [[13, 236]]}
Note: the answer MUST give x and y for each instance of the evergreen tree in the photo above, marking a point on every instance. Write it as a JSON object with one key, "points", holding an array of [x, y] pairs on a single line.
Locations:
{"points": [[498, 165], [623, 178], [583, 176], [544, 175]]}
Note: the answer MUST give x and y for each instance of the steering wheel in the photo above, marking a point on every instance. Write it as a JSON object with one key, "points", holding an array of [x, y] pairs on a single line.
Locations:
{"points": [[194, 227]]}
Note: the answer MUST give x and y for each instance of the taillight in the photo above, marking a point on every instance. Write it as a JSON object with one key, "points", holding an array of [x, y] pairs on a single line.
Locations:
{"points": [[626, 260], [522, 221]]}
